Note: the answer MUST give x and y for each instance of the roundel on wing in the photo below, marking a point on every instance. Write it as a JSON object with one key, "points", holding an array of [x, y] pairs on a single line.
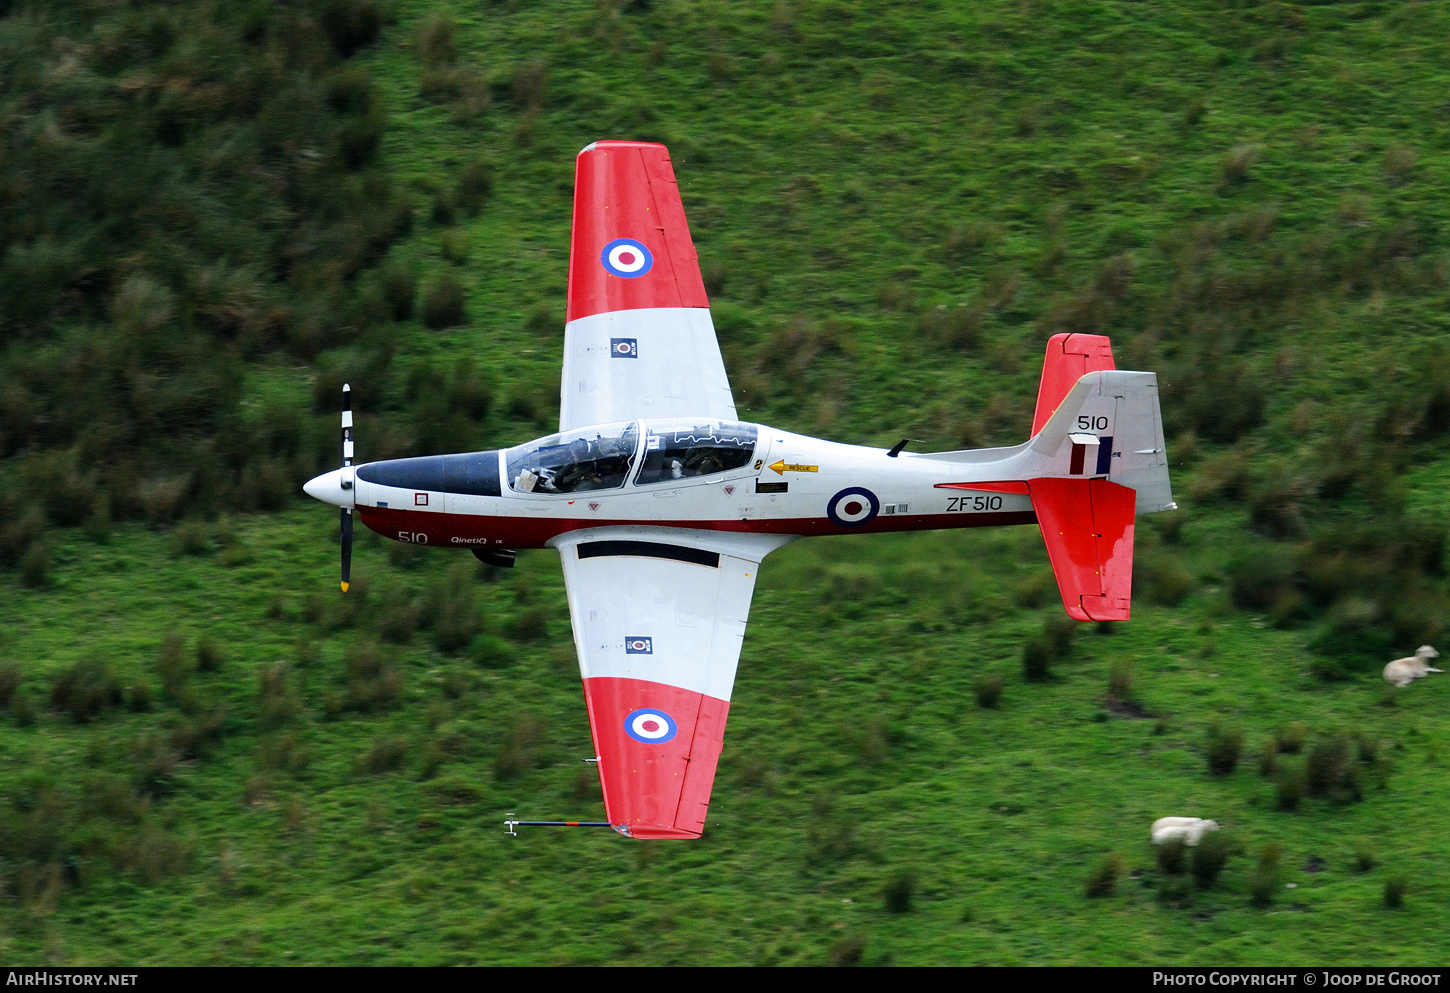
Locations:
{"points": [[651, 726], [626, 258], [853, 507]]}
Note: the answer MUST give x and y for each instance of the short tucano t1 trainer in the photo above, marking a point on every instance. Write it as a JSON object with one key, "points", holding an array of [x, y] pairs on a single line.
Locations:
{"points": [[662, 504]]}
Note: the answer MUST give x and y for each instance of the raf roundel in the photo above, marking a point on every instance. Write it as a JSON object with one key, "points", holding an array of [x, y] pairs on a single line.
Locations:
{"points": [[626, 258], [853, 507], [653, 727]]}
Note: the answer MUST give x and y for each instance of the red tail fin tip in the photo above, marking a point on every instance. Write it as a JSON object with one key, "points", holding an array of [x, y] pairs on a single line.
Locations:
{"points": [[1069, 358]]}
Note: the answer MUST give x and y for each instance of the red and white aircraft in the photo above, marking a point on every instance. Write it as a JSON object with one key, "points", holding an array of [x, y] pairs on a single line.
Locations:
{"points": [[662, 504]]}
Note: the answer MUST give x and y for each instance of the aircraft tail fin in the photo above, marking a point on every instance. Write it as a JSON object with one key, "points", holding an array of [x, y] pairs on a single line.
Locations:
{"points": [[1102, 461]]}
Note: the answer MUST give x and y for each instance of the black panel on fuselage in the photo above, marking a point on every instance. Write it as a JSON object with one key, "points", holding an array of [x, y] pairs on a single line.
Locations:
{"points": [[475, 473]]}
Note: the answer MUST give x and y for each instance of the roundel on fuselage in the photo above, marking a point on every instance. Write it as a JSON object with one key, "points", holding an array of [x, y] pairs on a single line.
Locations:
{"points": [[853, 507]]}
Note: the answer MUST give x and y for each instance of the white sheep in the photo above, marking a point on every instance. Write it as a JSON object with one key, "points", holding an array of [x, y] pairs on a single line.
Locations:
{"points": [[1403, 672], [1189, 830]]}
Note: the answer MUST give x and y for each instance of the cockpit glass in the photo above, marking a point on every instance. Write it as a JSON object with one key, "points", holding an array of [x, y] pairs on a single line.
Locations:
{"points": [[596, 458], [683, 449]]}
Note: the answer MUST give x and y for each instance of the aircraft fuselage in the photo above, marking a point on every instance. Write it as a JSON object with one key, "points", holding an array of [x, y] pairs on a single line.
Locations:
{"points": [[784, 483]]}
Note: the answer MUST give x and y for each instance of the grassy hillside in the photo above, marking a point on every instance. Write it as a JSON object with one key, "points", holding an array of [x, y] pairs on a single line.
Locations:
{"points": [[212, 757]]}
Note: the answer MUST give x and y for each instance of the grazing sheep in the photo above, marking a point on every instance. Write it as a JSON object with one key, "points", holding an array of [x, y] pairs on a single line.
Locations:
{"points": [[1403, 672], [1189, 830]]}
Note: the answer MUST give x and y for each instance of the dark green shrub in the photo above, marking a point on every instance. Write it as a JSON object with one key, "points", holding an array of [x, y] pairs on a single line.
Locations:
{"points": [[989, 691], [1395, 889], [9, 682], [1264, 883], [399, 619], [35, 564], [1331, 772], [444, 303], [1289, 790], [1364, 859], [1120, 681], [1290, 740], [436, 44], [899, 892], [1037, 660], [373, 680], [209, 656], [1104, 877], [1222, 750], [1209, 857], [847, 951], [86, 689], [1259, 576], [492, 652], [139, 698], [1172, 857], [386, 754], [1269, 760], [191, 538], [172, 666], [400, 287], [475, 186], [530, 624]]}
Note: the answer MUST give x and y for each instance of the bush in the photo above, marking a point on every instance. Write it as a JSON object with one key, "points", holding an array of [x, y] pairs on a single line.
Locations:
{"points": [[989, 691], [9, 681], [898, 892], [86, 689], [1395, 889], [208, 654], [386, 754], [1331, 772], [1172, 857], [373, 680], [1264, 883], [491, 652], [1290, 740], [1120, 681], [171, 665], [1223, 750], [1209, 858], [1037, 661], [1104, 878], [444, 303], [1290, 789]]}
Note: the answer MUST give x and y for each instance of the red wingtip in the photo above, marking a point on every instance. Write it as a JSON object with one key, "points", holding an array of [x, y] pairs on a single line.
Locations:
{"points": [[627, 202]]}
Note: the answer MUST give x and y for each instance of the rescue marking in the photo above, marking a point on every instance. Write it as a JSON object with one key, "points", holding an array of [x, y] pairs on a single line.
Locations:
{"points": [[853, 507], [626, 258], [624, 348], [420, 499], [651, 726], [782, 467]]}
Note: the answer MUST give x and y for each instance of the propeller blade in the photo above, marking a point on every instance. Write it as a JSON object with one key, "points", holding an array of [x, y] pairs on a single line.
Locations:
{"points": [[346, 547], [346, 484]]}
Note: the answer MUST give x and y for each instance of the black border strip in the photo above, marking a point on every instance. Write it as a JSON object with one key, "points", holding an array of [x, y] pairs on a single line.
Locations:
{"points": [[649, 549]]}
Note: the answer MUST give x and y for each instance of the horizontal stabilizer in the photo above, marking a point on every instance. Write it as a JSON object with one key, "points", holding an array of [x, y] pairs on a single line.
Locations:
{"points": [[1087, 525]]}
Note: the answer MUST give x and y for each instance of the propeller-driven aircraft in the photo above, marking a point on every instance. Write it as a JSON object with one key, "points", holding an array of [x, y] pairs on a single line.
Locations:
{"points": [[662, 504]]}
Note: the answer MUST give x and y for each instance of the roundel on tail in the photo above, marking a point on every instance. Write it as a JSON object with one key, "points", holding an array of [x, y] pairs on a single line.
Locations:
{"points": [[853, 507]]}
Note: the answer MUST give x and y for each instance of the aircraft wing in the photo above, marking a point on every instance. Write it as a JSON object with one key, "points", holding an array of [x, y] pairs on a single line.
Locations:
{"points": [[659, 617], [638, 340]]}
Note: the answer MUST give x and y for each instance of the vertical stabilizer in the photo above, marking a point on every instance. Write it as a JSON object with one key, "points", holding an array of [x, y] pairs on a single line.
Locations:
{"points": [[1069, 358]]}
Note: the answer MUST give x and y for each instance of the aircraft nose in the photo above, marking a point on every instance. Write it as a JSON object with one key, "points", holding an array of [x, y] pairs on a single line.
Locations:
{"points": [[328, 488]]}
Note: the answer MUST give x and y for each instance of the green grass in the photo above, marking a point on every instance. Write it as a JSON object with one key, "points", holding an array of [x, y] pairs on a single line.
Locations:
{"points": [[1250, 198], [855, 753]]}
